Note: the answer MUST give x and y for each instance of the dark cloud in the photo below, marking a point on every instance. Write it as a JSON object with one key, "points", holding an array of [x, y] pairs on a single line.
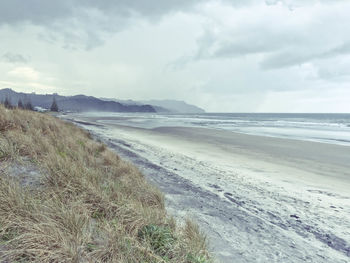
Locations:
{"points": [[333, 74], [338, 50], [287, 58], [298, 3], [294, 57], [84, 22], [235, 44], [247, 45], [225, 48], [277, 45], [13, 58], [245, 41], [43, 11], [35, 11]]}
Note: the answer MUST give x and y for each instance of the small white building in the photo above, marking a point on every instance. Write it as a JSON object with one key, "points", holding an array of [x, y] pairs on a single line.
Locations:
{"points": [[40, 109]]}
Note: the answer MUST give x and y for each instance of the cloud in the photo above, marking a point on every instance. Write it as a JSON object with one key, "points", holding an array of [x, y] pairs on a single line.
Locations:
{"points": [[85, 22], [297, 57], [27, 73], [308, 34], [28, 86], [43, 12], [335, 73], [299, 3], [14, 58], [228, 54], [214, 45]]}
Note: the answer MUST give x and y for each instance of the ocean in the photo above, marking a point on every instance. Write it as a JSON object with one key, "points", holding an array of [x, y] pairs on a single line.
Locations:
{"points": [[320, 127]]}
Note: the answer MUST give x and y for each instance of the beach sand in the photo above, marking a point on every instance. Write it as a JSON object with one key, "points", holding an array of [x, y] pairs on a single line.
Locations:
{"points": [[259, 199]]}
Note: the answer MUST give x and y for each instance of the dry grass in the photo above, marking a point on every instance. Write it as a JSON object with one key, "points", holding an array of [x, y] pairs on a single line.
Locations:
{"points": [[91, 206]]}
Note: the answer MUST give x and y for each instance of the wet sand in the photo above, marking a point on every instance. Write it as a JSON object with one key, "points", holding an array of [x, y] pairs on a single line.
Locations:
{"points": [[259, 199], [330, 163]]}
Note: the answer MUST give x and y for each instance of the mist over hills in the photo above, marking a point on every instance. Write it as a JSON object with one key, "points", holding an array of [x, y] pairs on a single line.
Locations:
{"points": [[175, 106], [72, 103], [81, 103], [164, 106]]}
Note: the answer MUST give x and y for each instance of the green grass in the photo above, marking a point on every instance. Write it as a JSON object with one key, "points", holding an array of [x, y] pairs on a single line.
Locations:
{"points": [[159, 238]]}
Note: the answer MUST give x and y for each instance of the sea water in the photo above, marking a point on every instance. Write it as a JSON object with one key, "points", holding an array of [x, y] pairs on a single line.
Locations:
{"points": [[326, 128]]}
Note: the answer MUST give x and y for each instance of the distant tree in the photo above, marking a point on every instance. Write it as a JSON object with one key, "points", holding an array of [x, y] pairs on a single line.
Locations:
{"points": [[7, 103], [28, 105], [54, 106], [20, 104]]}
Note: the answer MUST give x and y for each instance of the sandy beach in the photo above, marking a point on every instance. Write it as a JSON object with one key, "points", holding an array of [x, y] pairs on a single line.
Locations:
{"points": [[259, 199]]}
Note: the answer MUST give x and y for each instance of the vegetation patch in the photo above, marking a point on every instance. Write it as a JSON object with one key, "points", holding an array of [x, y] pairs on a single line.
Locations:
{"points": [[90, 206], [160, 238]]}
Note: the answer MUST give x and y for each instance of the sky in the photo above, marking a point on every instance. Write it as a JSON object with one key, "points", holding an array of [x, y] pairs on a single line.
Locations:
{"points": [[221, 55]]}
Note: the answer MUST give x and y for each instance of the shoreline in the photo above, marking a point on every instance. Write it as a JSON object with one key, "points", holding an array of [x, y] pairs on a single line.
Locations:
{"points": [[247, 213], [331, 161], [325, 132]]}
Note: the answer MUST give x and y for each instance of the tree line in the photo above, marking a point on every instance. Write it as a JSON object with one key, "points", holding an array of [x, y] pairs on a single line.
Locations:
{"points": [[27, 104]]}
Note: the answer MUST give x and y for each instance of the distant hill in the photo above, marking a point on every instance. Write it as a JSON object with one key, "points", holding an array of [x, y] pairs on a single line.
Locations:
{"points": [[175, 106], [73, 103], [164, 106]]}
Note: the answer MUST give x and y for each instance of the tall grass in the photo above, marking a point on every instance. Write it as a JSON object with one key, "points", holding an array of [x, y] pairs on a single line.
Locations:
{"points": [[91, 206]]}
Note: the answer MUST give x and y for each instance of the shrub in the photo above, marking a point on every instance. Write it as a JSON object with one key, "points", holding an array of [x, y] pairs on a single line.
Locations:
{"points": [[54, 106], [160, 238], [7, 103], [20, 104]]}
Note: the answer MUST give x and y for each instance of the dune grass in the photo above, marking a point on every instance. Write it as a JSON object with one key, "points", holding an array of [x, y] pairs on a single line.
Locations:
{"points": [[89, 206]]}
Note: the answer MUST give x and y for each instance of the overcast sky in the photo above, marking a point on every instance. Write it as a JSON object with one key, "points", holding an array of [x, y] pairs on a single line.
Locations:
{"points": [[222, 55]]}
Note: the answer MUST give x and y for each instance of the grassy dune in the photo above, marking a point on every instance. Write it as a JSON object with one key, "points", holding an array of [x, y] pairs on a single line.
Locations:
{"points": [[67, 198]]}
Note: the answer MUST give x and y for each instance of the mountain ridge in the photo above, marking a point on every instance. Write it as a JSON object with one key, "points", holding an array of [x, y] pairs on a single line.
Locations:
{"points": [[164, 106], [81, 102], [72, 103]]}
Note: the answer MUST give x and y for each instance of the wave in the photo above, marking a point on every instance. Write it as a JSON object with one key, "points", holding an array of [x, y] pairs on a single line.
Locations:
{"points": [[330, 128]]}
